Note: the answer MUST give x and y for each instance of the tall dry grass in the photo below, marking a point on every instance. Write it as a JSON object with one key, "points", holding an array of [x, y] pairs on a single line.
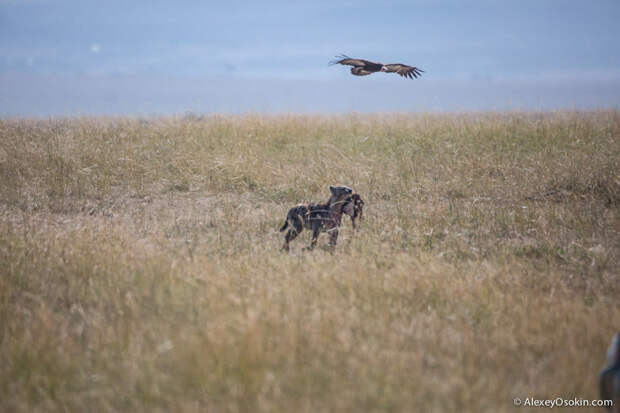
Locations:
{"points": [[140, 267]]}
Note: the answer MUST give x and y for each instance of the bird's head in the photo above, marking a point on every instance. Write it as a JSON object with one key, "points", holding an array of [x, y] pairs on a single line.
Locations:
{"points": [[384, 69]]}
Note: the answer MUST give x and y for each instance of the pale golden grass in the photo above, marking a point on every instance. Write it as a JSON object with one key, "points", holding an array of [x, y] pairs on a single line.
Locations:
{"points": [[140, 264]]}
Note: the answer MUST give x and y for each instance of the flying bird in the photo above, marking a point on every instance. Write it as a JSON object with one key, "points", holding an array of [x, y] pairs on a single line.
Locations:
{"points": [[363, 67]]}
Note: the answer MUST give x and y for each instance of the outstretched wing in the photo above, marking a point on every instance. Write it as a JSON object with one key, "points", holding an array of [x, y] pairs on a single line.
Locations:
{"points": [[346, 60], [403, 70]]}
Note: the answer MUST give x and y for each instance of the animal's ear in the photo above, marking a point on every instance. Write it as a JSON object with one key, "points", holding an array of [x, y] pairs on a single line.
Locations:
{"points": [[332, 189]]}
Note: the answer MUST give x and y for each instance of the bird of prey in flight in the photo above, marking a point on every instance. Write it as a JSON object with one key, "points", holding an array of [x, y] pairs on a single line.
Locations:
{"points": [[363, 67]]}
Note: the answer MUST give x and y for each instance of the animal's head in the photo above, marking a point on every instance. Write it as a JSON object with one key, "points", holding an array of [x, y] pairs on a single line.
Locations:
{"points": [[384, 69], [339, 192]]}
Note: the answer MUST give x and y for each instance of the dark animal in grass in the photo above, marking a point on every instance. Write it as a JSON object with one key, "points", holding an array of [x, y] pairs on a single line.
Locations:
{"points": [[317, 218], [363, 67], [609, 379], [354, 207]]}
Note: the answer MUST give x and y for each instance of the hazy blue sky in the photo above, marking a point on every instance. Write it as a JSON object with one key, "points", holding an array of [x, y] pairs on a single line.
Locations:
{"points": [[146, 57]]}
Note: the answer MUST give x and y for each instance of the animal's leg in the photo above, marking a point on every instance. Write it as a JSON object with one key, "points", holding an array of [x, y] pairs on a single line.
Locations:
{"points": [[291, 234], [315, 236], [296, 228], [333, 237]]}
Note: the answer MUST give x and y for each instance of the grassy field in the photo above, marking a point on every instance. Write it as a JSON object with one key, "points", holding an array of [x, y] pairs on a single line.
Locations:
{"points": [[140, 263]]}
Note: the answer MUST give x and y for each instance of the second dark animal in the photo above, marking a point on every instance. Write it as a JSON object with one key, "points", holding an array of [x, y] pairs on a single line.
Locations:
{"points": [[609, 379]]}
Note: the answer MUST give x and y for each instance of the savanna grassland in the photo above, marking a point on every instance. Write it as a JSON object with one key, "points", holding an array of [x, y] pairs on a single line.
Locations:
{"points": [[140, 263]]}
